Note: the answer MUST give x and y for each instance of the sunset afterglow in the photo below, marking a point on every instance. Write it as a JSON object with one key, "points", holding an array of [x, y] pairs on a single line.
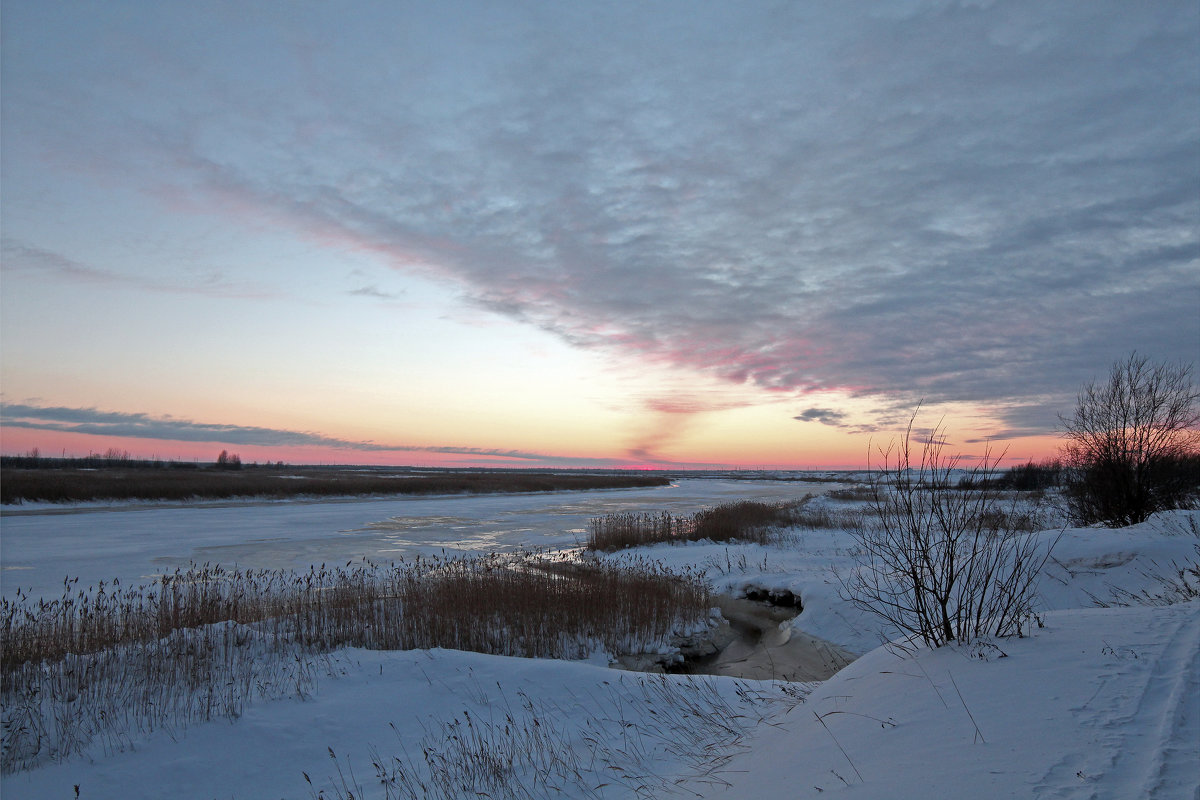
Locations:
{"points": [[578, 235]]}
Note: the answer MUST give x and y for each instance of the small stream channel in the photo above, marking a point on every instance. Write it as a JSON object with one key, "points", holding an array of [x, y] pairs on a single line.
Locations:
{"points": [[755, 640]]}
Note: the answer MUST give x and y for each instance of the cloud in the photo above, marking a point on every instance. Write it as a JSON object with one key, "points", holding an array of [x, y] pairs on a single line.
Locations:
{"points": [[826, 416], [1008, 434], [668, 419], [21, 257], [688, 403], [930, 437], [144, 426], [963, 202], [372, 291]]}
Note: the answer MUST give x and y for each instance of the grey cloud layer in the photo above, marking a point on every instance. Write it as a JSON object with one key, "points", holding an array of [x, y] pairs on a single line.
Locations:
{"points": [[143, 426], [826, 416], [954, 201]]}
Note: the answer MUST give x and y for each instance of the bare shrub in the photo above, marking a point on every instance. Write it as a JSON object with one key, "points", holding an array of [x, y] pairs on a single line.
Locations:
{"points": [[1133, 444], [226, 460], [1034, 476], [939, 562]]}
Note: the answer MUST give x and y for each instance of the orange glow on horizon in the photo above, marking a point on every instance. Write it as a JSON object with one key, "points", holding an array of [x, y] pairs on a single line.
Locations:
{"points": [[52, 444]]}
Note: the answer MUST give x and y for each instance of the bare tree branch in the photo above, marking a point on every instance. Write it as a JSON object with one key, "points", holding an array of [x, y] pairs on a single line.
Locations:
{"points": [[1133, 444], [944, 560]]}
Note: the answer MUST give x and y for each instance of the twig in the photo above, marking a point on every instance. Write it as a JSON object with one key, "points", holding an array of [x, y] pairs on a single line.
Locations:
{"points": [[839, 747], [978, 733]]}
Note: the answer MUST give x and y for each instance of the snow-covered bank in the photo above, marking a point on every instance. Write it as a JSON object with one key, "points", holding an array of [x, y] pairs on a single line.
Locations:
{"points": [[573, 729], [1097, 702], [1100, 703], [1089, 567]]}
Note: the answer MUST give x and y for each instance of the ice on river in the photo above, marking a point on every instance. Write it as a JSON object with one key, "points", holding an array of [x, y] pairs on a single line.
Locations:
{"points": [[40, 547]]}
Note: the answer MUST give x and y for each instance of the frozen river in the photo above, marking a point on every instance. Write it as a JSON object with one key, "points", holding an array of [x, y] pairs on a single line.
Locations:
{"points": [[135, 544]]}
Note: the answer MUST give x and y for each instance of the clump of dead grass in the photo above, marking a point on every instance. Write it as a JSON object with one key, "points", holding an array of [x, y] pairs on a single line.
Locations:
{"points": [[742, 520], [859, 492]]}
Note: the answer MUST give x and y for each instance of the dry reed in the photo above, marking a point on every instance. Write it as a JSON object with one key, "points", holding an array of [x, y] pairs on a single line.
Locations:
{"points": [[98, 663], [743, 520]]}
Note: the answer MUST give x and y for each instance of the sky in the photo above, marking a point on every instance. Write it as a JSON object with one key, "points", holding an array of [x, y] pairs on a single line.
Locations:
{"points": [[545, 234]]}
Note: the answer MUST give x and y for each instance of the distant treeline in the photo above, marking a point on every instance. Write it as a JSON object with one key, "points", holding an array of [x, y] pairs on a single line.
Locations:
{"points": [[114, 458], [1181, 472], [1032, 476], [108, 460], [86, 480]]}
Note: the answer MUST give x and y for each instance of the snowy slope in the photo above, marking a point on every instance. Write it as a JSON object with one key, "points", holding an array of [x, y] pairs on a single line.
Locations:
{"points": [[394, 703], [1101, 703], [1097, 703]]}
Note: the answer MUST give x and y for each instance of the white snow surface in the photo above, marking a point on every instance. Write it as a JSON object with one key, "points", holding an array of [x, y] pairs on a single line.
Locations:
{"points": [[1097, 702], [1100, 703]]}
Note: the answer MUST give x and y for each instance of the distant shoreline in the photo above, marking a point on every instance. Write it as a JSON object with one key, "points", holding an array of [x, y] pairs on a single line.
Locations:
{"points": [[264, 484], [41, 508]]}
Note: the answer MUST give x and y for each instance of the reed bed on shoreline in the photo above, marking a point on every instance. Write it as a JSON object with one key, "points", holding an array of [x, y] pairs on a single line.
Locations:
{"points": [[201, 643], [88, 485], [763, 523], [742, 520]]}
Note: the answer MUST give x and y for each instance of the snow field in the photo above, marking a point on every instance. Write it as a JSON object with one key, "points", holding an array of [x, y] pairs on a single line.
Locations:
{"points": [[1095, 703], [549, 728], [1100, 703]]}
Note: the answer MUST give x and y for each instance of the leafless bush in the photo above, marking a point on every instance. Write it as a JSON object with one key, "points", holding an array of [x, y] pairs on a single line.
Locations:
{"points": [[938, 562], [1133, 444], [1034, 476]]}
